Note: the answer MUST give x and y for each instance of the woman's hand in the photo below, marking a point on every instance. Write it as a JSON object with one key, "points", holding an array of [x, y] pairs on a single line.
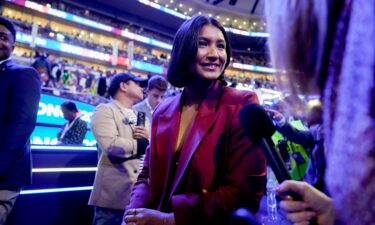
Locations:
{"points": [[314, 204], [143, 216], [140, 132]]}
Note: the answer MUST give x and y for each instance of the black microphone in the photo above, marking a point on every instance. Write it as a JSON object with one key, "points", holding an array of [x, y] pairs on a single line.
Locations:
{"points": [[259, 128]]}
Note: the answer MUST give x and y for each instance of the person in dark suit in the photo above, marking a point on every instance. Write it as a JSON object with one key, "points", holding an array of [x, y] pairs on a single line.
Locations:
{"points": [[19, 99], [311, 139], [200, 166], [74, 131]]}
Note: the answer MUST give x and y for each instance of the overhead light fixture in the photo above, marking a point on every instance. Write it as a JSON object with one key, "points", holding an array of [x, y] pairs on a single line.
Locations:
{"points": [[190, 9], [181, 5]]}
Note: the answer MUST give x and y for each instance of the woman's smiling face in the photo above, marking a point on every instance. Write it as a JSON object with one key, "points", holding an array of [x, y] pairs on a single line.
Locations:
{"points": [[211, 54]]}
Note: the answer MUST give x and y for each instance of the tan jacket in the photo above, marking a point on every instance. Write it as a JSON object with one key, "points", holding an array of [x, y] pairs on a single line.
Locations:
{"points": [[112, 127]]}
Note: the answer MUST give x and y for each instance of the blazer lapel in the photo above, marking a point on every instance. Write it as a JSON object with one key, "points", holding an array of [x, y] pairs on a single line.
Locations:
{"points": [[204, 120], [116, 104], [166, 137]]}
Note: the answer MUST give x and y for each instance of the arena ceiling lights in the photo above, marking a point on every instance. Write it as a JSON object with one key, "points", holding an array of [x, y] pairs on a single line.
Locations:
{"points": [[180, 15]]}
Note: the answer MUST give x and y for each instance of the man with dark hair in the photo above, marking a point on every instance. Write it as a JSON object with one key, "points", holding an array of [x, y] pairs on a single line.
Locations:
{"points": [[120, 144], [19, 98], [73, 132], [156, 88]]}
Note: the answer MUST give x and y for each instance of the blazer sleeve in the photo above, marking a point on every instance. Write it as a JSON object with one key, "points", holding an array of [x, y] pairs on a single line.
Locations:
{"points": [[24, 102], [105, 131], [304, 138], [241, 184]]}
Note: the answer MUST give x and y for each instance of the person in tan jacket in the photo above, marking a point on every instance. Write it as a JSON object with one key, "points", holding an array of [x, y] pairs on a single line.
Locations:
{"points": [[121, 144]]}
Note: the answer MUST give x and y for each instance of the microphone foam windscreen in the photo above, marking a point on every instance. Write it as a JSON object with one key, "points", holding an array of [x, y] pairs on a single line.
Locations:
{"points": [[255, 120]]}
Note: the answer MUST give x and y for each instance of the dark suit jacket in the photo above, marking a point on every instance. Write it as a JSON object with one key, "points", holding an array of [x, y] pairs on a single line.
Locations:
{"points": [[219, 169], [75, 135], [19, 100]]}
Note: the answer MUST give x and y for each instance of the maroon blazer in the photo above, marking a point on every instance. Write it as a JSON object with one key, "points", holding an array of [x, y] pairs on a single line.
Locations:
{"points": [[219, 169]]}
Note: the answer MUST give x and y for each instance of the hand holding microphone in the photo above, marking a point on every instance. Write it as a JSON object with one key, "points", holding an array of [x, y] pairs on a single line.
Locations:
{"points": [[259, 128], [300, 212]]}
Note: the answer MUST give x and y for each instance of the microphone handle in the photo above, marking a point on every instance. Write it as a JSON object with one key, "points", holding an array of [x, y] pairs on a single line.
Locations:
{"points": [[278, 166], [274, 159]]}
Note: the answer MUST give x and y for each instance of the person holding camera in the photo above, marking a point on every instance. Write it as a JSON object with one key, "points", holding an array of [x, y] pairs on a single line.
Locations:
{"points": [[121, 139], [311, 139]]}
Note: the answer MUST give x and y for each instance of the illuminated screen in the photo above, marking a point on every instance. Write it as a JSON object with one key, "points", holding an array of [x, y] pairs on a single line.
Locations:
{"points": [[48, 136], [49, 111], [50, 120]]}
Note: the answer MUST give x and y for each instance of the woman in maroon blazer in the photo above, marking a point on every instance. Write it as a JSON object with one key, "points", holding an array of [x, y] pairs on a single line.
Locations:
{"points": [[200, 165]]}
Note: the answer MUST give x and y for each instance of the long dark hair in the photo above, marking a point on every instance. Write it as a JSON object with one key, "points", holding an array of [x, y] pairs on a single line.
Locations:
{"points": [[185, 47]]}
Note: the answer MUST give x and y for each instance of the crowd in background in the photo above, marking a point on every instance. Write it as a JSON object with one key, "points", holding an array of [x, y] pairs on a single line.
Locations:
{"points": [[75, 38], [86, 84], [142, 55], [72, 80]]}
